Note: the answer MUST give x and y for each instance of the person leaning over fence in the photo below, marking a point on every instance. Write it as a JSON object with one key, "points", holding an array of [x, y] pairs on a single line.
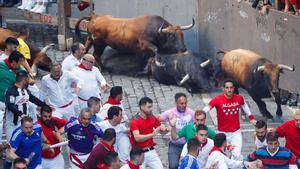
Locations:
{"points": [[184, 116], [143, 127]]}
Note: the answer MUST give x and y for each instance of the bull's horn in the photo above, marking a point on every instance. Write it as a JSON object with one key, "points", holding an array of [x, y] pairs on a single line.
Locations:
{"points": [[188, 26], [259, 68], [286, 67], [205, 63], [184, 79], [34, 69], [159, 64], [161, 30], [44, 50]]}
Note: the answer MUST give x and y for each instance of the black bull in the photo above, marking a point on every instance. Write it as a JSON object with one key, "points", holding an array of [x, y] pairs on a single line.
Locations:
{"points": [[183, 69]]}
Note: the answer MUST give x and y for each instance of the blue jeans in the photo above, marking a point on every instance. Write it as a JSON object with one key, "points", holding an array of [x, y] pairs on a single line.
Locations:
{"points": [[174, 155]]}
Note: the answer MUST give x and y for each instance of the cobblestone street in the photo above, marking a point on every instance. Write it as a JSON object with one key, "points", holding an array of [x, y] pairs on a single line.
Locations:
{"points": [[163, 97]]}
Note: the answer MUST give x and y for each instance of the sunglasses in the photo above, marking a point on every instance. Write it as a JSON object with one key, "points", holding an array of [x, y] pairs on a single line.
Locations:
{"points": [[91, 62]]}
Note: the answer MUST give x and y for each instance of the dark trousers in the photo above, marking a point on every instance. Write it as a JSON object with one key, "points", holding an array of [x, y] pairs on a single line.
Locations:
{"points": [[174, 155]]}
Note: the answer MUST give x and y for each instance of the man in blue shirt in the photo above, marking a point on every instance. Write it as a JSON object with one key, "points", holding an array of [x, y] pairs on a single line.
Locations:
{"points": [[190, 160], [81, 135], [26, 142]]}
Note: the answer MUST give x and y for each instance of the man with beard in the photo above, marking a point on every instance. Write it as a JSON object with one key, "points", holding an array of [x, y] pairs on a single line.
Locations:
{"points": [[184, 115], [144, 126], [52, 128], [228, 105], [260, 134], [17, 99], [97, 156], [81, 134]]}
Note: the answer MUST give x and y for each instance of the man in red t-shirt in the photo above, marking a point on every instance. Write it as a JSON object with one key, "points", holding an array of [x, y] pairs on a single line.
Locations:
{"points": [[291, 131], [52, 128], [228, 105], [143, 127]]}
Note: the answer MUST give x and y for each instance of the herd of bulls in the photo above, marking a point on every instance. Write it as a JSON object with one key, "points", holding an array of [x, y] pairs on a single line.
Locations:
{"points": [[150, 44]]}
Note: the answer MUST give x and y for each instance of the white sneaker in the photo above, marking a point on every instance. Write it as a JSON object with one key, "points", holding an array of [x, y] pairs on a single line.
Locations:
{"points": [[41, 9], [30, 5], [36, 7], [24, 4]]}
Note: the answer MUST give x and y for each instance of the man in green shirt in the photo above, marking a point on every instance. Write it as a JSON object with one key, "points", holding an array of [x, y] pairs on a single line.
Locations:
{"points": [[8, 68], [189, 130]]}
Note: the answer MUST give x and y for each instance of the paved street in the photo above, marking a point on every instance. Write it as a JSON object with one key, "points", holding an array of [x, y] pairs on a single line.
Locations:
{"points": [[162, 95]]}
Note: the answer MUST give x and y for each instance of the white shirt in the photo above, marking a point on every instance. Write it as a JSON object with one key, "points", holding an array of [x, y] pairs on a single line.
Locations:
{"points": [[88, 82], [69, 63], [203, 153], [120, 128], [126, 166], [106, 106], [223, 161], [3, 56], [260, 144], [59, 92]]}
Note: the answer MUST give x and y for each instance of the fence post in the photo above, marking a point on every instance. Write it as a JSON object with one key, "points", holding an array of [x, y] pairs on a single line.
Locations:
{"points": [[64, 33]]}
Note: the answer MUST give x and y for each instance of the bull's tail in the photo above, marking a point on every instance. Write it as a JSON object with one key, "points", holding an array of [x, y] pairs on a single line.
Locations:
{"points": [[77, 31]]}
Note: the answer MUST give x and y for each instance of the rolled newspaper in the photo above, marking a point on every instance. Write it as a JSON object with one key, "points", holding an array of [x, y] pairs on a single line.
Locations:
{"points": [[59, 144]]}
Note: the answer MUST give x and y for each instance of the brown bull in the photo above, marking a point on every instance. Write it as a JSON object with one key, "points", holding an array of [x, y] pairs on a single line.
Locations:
{"points": [[39, 58], [256, 74], [147, 34]]}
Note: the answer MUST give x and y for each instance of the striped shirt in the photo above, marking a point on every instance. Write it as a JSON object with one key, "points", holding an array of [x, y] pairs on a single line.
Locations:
{"points": [[280, 160], [189, 162]]}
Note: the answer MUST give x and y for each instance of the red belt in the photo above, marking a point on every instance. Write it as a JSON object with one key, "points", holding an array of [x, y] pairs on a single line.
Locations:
{"points": [[66, 105], [81, 99]]}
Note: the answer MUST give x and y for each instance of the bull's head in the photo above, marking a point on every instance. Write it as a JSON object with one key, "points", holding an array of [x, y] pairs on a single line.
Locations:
{"points": [[172, 38], [271, 74]]}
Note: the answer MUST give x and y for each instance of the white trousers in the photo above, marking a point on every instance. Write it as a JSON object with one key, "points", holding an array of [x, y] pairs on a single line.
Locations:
{"points": [[123, 148], [54, 163], [82, 104], [65, 113], [2, 111], [152, 160], [10, 127], [82, 158], [235, 139]]}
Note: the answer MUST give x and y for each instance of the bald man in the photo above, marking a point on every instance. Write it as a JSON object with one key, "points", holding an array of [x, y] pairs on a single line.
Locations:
{"points": [[90, 78]]}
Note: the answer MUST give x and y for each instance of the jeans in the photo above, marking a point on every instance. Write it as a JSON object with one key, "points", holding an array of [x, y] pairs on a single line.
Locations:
{"points": [[174, 155]]}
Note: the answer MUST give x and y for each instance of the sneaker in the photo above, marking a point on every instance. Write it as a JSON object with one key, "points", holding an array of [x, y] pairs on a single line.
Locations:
{"points": [[41, 9], [30, 5], [35, 8], [24, 4]]}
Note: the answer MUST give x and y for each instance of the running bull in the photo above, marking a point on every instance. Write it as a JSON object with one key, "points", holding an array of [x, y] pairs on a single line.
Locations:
{"points": [[39, 58], [256, 74], [144, 35]]}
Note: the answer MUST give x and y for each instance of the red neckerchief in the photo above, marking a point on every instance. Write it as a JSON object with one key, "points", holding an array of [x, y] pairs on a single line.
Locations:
{"points": [[201, 144], [107, 146], [83, 67], [112, 101], [7, 63], [216, 149], [102, 166], [132, 166]]}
